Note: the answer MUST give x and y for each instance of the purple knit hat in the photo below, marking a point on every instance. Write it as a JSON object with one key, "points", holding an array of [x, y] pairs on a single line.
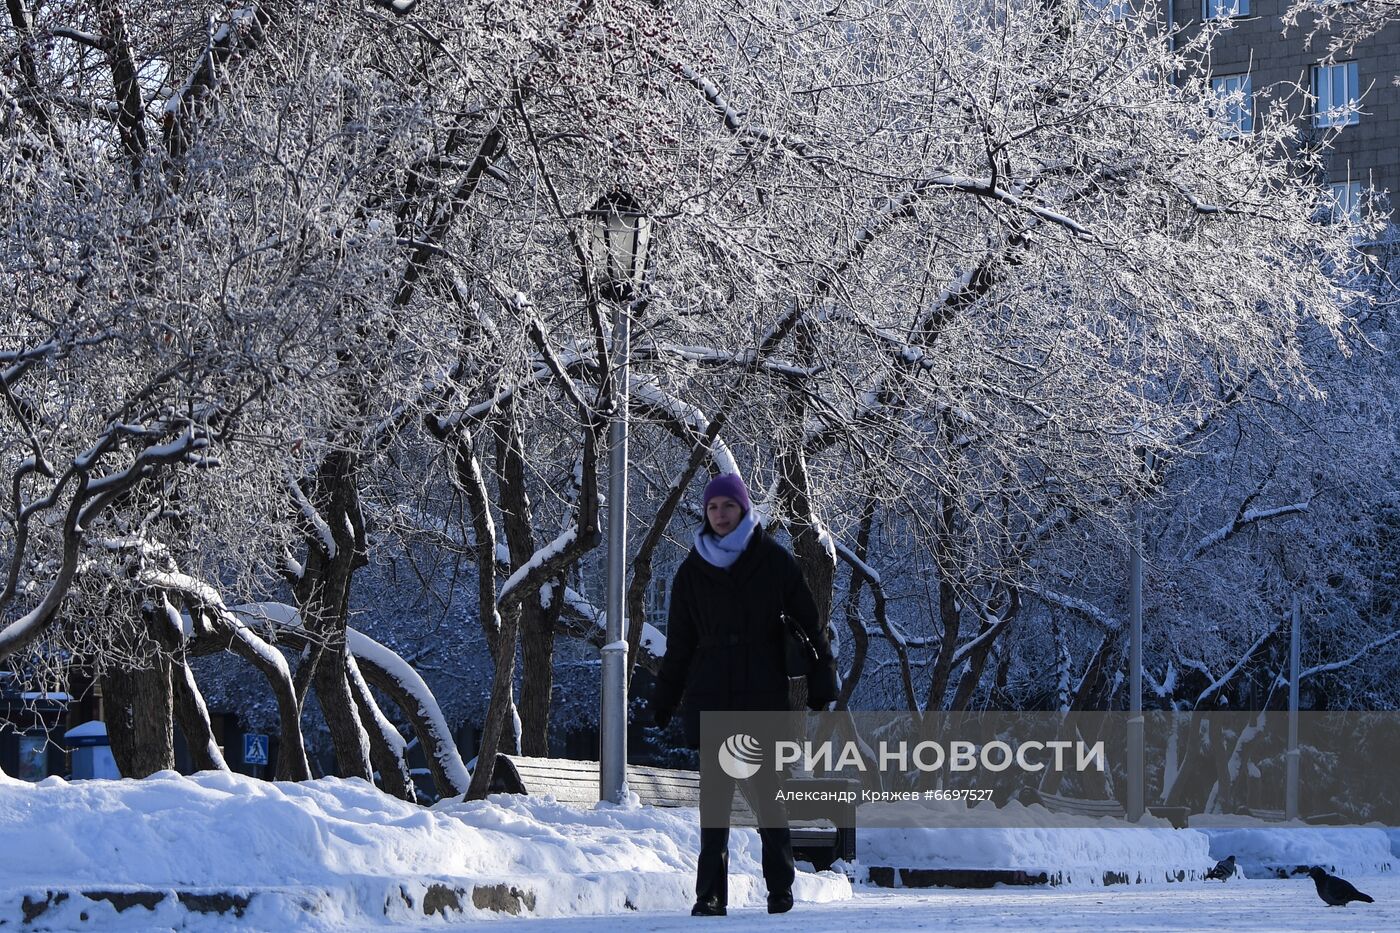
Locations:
{"points": [[731, 485]]}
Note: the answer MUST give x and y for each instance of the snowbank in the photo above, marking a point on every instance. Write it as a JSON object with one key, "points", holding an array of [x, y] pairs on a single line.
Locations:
{"points": [[1065, 856], [1081, 850], [1069, 849], [1263, 849], [336, 851], [331, 854]]}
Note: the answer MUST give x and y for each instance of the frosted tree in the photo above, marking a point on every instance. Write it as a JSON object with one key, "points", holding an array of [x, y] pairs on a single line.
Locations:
{"points": [[1341, 26], [949, 266]]}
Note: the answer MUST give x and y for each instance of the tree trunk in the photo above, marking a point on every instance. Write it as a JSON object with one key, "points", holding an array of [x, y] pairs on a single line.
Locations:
{"points": [[537, 673], [152, 719], [977, 658], [335, 548], [1192, 758], [381, 668], [817, 562], [1220, 755], [536, 626], [501, 708], [949, 610], [292, 764], [815, 557], [386, 745], [585, 536], [860, 641], [348, 734], [1094, 673], [449, 771], [973, 669], [191, 714], [193, 717], [468, 477], [948, 558], [232, 635], [138, 701], [117, 691]]}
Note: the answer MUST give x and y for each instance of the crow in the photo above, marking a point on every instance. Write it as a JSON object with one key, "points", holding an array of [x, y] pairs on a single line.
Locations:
{"points": [[1223, 870], [1336, 892]]}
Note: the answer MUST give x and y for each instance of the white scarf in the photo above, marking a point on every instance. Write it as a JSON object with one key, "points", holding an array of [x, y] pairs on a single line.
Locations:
{"points": [[722, 552]]}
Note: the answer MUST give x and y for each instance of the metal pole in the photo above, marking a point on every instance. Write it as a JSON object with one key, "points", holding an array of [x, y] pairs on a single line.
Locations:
{"points": [[613, 760], [1134, 805], [1295, 638]]}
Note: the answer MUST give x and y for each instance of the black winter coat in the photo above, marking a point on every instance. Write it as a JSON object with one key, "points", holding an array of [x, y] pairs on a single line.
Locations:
{"points": [[725, 641]]}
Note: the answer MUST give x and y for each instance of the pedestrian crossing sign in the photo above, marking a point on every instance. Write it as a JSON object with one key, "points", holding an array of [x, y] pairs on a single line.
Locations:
{"points": [[254, 749]]}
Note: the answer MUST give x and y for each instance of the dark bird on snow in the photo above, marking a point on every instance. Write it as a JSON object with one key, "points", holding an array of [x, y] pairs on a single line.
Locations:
{"points": [[1336, 892], [1224, 869]]}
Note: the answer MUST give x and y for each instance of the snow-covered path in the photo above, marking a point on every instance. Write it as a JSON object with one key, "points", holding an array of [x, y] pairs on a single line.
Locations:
{"points": [[1208, 907]]}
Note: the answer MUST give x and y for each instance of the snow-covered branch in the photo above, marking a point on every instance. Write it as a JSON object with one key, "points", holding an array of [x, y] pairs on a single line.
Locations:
{"points": [[1224, 679], [1243, 518], [1363, 653], [1083, 607], [735, 122]]}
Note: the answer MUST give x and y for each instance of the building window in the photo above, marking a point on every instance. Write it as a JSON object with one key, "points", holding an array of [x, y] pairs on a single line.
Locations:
{"points": [[1346, 201], [1335, 94], [1224, 9], [1236, 104]]}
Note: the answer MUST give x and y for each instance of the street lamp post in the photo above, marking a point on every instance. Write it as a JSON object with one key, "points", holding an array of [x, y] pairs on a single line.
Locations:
{"points": [[617, 240], [1136, 739], [1136, 744], [1290, 787], [1291, 563]]}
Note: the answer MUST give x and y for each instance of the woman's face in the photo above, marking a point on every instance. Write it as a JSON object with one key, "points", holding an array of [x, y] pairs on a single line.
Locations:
{"points": [[724, 513]]}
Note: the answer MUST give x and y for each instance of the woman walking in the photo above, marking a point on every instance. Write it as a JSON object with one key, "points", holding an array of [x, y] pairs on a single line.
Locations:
{"points": [[725, 651]]}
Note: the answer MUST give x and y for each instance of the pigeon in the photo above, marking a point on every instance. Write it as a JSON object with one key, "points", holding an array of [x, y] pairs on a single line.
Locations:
{"points": [[1223, 870], [1336, 892]]}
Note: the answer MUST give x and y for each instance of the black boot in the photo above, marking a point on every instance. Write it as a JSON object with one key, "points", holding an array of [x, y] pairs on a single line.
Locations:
{"points": [[712, 874], [778, 869]]}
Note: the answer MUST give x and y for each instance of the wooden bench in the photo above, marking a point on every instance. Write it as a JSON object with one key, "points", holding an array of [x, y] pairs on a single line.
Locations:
{"points": [[816, 837], [1317, 819], [1079, 806], [1273, 816], [1179, 817]]}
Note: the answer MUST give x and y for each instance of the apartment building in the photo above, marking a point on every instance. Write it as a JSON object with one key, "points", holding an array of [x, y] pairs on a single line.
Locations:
{"points": [[1348, 105]]}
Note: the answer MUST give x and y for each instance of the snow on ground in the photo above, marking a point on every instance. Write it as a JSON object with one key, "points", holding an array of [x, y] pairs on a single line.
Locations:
{"points": [[1073, 849], [1261, 846], [1075, 856], [339, 855], [350, 851], [1078, 850], [1202, 907]]}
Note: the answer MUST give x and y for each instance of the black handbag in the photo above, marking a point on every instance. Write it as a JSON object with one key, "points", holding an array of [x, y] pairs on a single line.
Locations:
{"points": [[799, 654]]}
